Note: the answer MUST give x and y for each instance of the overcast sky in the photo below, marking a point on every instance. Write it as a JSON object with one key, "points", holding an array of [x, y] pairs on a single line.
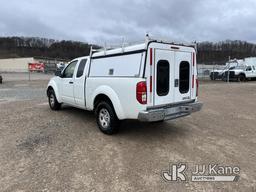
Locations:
{"points": [[97, 21]]}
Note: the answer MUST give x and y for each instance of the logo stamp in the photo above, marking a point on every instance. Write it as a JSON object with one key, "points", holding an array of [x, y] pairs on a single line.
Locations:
{"points": [[181, 172]]}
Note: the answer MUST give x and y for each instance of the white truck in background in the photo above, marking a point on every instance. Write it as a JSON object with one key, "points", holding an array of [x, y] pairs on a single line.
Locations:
{"points": [[246, 70], [219, 73], [154, 81], [241, 73]]}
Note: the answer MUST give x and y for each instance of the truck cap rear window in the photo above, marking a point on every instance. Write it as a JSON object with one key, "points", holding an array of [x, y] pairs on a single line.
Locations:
{"points": [[163, 78], [184, 77]]}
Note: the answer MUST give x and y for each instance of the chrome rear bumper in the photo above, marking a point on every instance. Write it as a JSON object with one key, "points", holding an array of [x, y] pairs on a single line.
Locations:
{"points": [[169, 113]]}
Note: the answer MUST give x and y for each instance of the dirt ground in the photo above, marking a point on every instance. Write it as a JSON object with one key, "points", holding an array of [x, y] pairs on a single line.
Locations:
{"points": [[42, 150]]}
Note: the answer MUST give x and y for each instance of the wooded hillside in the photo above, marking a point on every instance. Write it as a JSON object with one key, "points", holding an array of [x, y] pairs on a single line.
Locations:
{"points": [[208, 52], [219, 53], [11, 47]]}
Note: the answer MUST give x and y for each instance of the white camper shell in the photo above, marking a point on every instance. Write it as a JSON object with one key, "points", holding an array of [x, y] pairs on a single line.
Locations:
{"points": [[153, 81]]}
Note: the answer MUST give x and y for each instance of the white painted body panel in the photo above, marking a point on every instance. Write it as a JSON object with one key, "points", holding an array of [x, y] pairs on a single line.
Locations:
{"points": [[179, 57], [121, 91], [67, 91], [55, 84], [169, 56], [121, 66], [248, 73]]}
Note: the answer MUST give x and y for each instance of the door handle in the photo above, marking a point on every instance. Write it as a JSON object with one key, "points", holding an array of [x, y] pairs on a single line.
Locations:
{"points": [[71, 82], [176, 83]]}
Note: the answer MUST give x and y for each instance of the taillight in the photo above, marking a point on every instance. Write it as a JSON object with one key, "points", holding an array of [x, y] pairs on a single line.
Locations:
{"points": [[197, 87], [141, 92]]}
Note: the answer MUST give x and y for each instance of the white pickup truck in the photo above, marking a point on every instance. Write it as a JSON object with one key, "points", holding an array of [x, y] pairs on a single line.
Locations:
{"points": [[151, 82], [241, 73]]}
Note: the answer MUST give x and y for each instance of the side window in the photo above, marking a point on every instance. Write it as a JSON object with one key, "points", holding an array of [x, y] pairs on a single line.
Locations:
{"points": [[184, 77], [69, 71], [163, 78], [249, 68], [253, 68], [81, 67]]}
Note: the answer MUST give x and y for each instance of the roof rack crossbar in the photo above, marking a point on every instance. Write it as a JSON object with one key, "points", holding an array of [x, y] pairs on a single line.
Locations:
{"points": [[148, 40]]}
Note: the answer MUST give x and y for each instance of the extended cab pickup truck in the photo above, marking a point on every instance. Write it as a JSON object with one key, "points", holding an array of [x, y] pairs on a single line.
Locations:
{"points": [[151, 82]]}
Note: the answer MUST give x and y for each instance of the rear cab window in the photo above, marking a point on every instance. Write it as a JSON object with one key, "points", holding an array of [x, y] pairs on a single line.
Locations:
{"points": [[80, 70]]}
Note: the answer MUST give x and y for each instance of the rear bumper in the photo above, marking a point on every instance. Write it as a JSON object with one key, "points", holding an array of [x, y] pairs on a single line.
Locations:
{"points": [[169, 113]]}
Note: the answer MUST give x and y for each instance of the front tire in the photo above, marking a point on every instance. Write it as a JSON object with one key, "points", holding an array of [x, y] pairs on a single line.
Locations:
{"points": [[106, 118], [53, 102]]}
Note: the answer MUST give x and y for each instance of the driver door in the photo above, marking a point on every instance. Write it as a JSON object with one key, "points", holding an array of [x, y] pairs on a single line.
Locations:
{"points": [[249, 72], [67, 85]]}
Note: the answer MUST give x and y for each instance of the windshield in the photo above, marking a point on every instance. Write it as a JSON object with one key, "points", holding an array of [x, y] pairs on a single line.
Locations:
{"points": [[240, 67]]}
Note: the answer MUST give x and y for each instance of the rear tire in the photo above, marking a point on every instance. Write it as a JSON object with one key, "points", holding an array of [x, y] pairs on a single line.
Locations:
{"points": [[53, 102], [241, 78], [160, 121], [106, 118], [223, 78], [211, 76]]}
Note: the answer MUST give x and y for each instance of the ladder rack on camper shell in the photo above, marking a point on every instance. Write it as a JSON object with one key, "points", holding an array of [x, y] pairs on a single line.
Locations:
{"points": [[121, 49]]}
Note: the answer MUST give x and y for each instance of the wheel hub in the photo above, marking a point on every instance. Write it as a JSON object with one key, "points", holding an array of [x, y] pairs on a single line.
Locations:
{"points": [[52, 101], [104, 118]]}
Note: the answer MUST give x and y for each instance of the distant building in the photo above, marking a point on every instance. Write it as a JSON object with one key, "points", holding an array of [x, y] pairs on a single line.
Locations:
{"points": [[22, 64], [15, 64]]}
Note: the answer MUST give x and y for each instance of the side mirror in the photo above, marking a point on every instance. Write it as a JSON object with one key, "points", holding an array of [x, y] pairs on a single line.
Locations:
{"points": [[58, 73]]}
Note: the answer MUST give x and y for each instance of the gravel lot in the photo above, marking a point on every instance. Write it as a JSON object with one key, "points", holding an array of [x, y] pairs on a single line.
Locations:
{"points": [[42, 150]]}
